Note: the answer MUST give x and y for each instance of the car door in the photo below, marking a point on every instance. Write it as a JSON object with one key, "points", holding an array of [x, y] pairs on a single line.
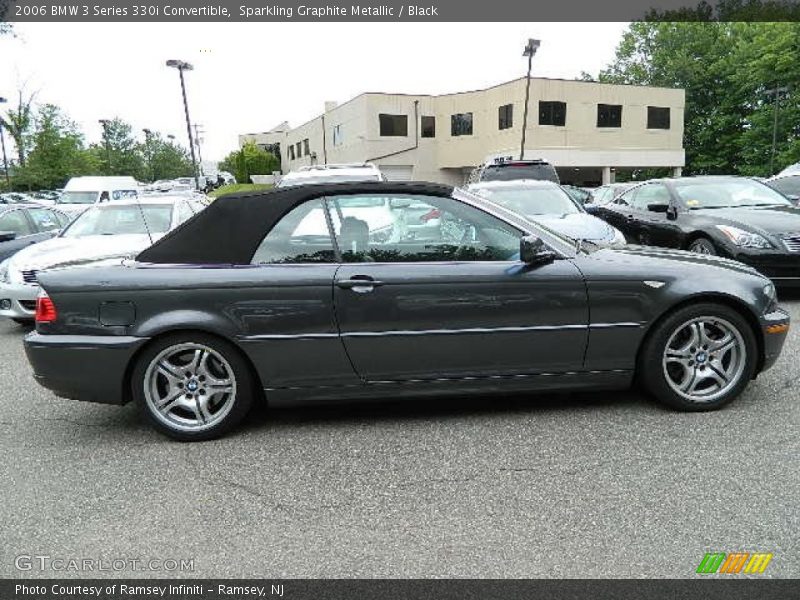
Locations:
{"points": [[655, 214], [18, 232], [621, 214], [453, 304]]}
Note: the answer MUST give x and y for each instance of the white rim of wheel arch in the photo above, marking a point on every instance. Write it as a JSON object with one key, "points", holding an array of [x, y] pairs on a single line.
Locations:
{"points": [[189, 387], [704, 359]]}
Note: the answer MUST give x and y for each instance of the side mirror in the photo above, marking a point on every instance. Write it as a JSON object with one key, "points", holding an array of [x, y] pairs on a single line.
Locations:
{"points": [[658, 208], [7, 236], [532, 251]]}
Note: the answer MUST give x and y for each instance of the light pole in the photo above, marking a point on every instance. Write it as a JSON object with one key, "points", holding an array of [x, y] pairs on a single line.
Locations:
{"points": [[185, 66], [776, 93], [105, 123], [5, 158], [529, 51], [197, 140]]}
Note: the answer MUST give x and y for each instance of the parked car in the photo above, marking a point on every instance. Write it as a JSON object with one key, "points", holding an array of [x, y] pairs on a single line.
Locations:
{"points": [[606, 193], [506, 169], [15, 198], [45, 197], [335, 173], [735, 217], [788, 185], [204, 324], [548, 204], [82, 192], [578, 194], [790, 170], [105, 233], [22, 225]]}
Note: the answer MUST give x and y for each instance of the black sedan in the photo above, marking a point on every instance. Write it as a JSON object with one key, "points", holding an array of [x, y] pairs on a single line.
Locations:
{"points": [[24, 224], [735, 217], [324, 292]]}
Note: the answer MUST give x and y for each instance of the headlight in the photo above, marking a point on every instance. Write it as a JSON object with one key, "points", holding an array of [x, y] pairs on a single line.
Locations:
{"points": [[619, 238], [4, 272], [744, 239]]}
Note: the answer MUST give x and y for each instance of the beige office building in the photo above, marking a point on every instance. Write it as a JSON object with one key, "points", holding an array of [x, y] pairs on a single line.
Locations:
{"points": [[587, 130]]}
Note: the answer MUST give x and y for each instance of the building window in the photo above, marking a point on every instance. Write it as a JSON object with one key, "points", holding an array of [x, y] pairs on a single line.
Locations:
{"points": [[428, 127], [337, 135], [609, 115], [553, 113], [306, 147], [657, 117], [291, 151], [505, 116], [461, 124], [299, 149], [393, 125]]}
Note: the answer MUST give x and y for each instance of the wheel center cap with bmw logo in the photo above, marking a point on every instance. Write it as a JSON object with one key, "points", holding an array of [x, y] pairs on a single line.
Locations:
{"points": [[191, 385], [701, 357]]}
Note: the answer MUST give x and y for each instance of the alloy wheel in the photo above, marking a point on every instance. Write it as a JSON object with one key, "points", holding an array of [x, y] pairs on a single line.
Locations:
{"points": [[704, 358], [189, 386]]}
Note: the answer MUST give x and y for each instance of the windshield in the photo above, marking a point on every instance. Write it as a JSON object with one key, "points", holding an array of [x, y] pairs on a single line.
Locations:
{"points": [[512, 171], [531, 201], [788, 185], [328, 178], [728, 194], [121, 219], [78, 198]]}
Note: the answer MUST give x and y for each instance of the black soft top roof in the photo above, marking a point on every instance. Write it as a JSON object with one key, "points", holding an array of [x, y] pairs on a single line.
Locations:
{"points": [[231, 228]]}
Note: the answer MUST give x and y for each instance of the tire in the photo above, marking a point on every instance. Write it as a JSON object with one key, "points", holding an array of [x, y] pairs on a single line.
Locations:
{"points": [[201, 383], [702, 245], [679, 372]]}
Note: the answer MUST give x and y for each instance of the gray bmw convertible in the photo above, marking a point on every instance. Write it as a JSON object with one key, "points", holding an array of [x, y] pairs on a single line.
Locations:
{"points": [[377, 289]]}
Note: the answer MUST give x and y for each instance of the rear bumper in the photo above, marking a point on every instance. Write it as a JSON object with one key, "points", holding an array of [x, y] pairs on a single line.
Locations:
{"points": [[776, 321], [81, 367]]}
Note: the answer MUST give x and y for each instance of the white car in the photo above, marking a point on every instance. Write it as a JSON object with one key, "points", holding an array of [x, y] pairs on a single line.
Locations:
{"points": [[546, 203], [105, 233], [332, 174]]}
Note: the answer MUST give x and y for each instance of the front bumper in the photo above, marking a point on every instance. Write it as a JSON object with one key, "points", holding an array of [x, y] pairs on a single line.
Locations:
{"points": [[82, 367], [781, 267], [18, 300], [774, 329]]}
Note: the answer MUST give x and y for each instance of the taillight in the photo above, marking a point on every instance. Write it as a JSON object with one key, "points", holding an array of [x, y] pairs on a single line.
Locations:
{"points": [[45, 309]]}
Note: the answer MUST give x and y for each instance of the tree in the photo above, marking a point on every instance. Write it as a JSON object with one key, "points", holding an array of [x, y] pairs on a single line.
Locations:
{"points": [[249, 160], [119, 153], [726, 69], [165, 159], [58, 152], [18, 123]]}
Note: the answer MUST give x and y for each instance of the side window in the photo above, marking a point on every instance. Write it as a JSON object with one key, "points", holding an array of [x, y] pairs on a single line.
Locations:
{"points": [[301, 236], [414, 228], [653, 193], [45, 220], [63, 219], [15, 221], [625, 199]]}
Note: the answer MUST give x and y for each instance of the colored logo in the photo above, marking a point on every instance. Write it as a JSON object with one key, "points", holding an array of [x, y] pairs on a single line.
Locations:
{"points": [[734, 562]]}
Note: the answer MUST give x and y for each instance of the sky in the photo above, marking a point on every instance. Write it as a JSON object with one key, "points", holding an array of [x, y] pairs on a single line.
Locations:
{"points": [[248, 77]]}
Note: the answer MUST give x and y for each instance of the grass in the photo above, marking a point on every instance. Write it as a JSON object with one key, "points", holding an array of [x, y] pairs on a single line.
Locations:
{"points": [[238, 187]]}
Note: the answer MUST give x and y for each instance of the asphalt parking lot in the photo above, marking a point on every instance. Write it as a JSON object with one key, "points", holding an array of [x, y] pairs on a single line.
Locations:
{"points": [[589, 485]]}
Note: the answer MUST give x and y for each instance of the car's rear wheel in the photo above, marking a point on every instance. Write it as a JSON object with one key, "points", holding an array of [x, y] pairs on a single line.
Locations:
{"points": [[699, 358], [702, 245], [192, 386]]}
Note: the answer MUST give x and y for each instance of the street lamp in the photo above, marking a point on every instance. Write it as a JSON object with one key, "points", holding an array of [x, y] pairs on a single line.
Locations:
{"points": [[3, 141], [530, 50], [105, 123], [184, 66], [776, 93]]}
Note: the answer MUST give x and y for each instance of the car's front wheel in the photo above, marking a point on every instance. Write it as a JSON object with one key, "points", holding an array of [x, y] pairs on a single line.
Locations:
{"points": [[699, 358], [703, 246], [192, 387]]}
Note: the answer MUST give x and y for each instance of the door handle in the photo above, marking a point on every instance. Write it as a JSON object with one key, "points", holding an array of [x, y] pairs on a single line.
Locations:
{"points": [[360, 284]]}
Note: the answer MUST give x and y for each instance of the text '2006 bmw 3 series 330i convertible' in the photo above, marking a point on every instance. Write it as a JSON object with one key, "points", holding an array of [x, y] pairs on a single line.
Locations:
{"points": [[379, 289]]}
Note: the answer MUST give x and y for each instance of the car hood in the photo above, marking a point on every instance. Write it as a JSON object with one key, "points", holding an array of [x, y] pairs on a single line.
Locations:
{"points": [[667, 257], [81, 251], [771, 220], [578, 226]]}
